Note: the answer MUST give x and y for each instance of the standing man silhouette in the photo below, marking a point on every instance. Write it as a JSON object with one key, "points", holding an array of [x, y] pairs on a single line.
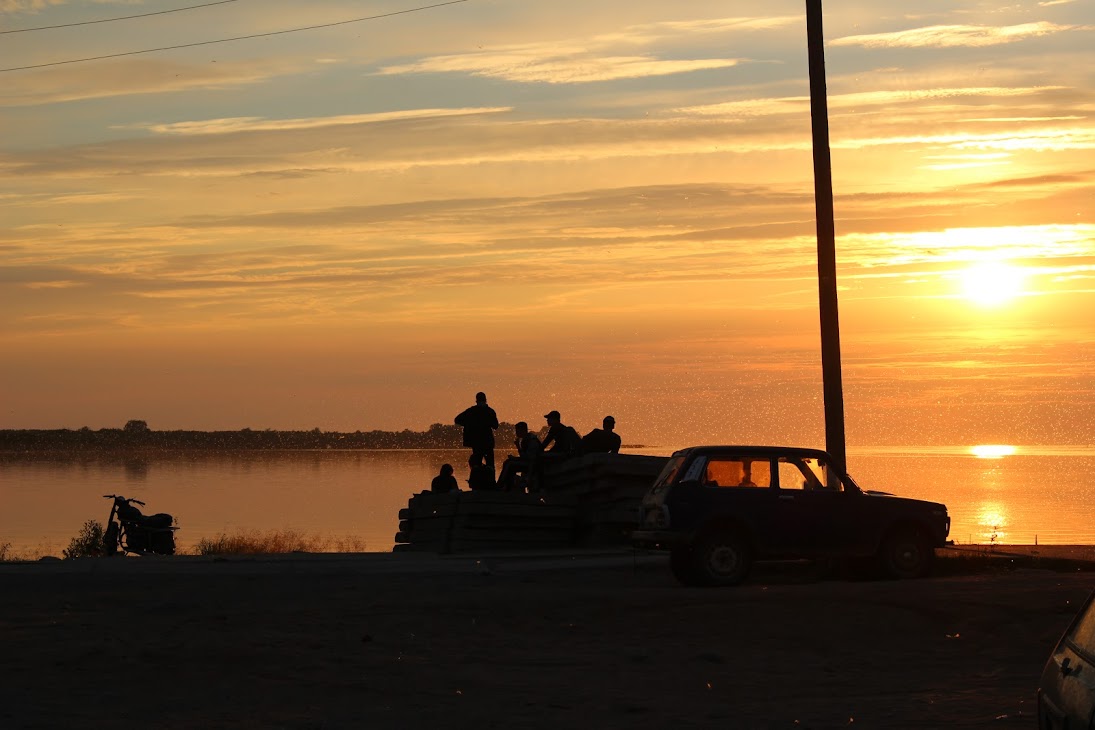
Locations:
{"points": [[479, 422]]}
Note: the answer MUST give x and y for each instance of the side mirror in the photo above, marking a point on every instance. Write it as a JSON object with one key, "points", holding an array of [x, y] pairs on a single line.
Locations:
{"points": [[850, 487]]}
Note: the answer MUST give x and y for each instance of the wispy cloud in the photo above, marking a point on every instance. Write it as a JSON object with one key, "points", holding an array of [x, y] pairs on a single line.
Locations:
{"points": [[721, 25], [27, 6], [1023, 120], [259, 124], [949, 36], [415, 143], [446, 141], [962, 245], [857, 100], [553, 65], [131, 78], [602, 57], [1031, 140]]}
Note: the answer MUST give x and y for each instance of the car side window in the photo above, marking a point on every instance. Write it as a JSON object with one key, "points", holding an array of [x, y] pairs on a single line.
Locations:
{"points": [[738, 472]]}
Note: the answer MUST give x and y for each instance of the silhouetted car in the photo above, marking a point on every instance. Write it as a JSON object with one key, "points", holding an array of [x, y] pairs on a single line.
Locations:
{"points": [[719, 508], [1066, 692]]}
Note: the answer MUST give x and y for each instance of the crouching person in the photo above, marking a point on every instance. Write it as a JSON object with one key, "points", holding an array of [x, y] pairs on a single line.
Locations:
{"points": [[444, 482]]}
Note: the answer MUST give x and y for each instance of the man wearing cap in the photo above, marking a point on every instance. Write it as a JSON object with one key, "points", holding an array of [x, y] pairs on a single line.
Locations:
{"points": [[526, 463], [479, 422], [564, 440], [604, 441]]}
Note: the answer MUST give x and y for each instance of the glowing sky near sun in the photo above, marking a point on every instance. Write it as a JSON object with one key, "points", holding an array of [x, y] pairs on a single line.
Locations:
{"points": [[598, 207]]}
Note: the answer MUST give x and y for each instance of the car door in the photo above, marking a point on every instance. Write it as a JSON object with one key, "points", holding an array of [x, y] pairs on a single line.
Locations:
{"points": [[815, 518], [1066, 694], [736, 489]]}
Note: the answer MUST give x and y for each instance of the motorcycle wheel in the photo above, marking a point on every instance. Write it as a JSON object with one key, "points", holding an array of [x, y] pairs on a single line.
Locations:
{"points": [[110, 539]]}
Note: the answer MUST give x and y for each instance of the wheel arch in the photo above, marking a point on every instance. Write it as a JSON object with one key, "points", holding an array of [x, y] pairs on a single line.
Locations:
{"points": [[893, 564], [902, 524], [718, 525]]}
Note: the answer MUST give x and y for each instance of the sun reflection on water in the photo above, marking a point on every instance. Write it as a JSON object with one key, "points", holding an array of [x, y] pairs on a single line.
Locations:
{"points": [[992, 519]]}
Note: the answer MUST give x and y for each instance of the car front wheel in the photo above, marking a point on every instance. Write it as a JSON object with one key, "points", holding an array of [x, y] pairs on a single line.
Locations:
{"points": [[682, 560], [723, 559], [907, 553]]}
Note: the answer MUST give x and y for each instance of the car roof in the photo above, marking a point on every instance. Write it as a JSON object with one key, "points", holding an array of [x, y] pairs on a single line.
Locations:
{"points": [[768, 451]]}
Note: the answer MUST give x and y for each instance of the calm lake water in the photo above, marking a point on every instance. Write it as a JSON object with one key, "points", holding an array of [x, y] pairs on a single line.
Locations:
{"points": [[1041, 493]]}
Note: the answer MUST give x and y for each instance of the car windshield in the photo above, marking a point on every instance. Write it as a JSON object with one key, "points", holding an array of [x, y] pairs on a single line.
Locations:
{"points": [[1082, 636], [669, 472]]}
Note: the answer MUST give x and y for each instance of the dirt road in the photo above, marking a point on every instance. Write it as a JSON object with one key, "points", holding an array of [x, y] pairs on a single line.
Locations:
{"points": [[585, 643]]}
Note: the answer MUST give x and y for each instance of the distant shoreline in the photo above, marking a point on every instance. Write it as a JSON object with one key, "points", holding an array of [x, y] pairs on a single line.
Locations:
{"points": [[138, 438], [142, 440]]}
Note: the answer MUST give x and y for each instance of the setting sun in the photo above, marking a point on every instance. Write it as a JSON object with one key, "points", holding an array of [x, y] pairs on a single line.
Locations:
{"points": [[992, 451], [991, 284]]}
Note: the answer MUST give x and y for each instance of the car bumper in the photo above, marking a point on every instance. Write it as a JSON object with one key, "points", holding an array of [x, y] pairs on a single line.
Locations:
{"points": [[658, 539]]}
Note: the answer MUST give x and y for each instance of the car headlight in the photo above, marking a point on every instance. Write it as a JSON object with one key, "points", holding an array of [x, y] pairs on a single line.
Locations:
{"points": [[655, 517]]}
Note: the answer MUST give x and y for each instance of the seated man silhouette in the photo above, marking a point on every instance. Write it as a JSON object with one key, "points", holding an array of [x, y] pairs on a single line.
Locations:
{"points": [[747, 477], [563, 439], [445, 481], [526, 463], [602, 441]]}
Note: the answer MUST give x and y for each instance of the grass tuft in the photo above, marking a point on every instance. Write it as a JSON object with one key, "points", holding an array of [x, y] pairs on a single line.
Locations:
{"points": [[274, 542], [8, 553], [982, 560]]}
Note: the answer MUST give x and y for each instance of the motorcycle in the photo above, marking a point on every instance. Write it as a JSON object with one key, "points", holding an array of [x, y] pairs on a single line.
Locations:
{"points": [[134, 532]]}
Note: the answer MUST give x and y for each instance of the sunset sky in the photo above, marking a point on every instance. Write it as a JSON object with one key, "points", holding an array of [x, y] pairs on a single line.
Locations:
{"points": [[599, 207]]}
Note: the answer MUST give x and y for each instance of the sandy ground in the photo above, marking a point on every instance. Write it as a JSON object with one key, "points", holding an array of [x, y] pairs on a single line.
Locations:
{"points": [[403, 641]]}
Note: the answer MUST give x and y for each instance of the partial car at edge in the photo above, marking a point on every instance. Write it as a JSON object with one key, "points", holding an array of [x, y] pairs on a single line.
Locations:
{"points": [[1066, 691]]}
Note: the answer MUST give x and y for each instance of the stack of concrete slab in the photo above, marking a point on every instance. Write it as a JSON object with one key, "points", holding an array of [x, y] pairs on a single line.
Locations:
{"points": [[608, 489], [587, 501], [484, 521]]}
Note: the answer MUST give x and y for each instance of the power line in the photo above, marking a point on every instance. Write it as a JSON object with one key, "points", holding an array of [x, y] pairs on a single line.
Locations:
{"points": [[111, 20], [229, 40]]}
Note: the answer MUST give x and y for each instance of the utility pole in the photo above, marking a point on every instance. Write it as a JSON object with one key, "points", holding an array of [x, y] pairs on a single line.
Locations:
{"points": [[826, 242]]}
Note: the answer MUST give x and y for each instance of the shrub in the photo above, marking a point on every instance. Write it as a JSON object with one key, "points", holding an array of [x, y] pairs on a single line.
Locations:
{"points": [[5, 552], [88, 543]]}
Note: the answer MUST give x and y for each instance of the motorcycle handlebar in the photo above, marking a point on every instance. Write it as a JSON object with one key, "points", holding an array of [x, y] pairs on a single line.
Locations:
{"points": [[127, 501]]}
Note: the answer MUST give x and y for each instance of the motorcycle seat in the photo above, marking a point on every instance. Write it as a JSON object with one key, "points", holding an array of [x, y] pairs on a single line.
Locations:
{"points": [[151, 522]]}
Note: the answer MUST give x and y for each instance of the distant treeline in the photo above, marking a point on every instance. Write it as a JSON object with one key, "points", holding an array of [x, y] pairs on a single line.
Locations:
{"points": [[137, 435]]}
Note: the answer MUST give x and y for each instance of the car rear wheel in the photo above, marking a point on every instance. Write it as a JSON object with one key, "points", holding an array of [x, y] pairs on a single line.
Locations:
{"points": [[907, 553], [723, 559]]}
